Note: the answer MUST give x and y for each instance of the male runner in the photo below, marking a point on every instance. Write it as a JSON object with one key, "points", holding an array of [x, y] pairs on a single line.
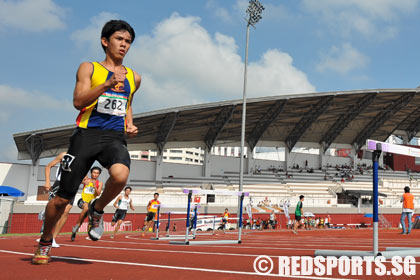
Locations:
{"points": [[298, 213], [52, 192], [103, 93], [121, 203], [225, 218], [92, 188], [151, 212]]}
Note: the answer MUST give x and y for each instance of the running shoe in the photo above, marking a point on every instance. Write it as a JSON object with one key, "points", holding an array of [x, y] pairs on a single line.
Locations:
{"points": [[96, 223], [42, 253], [73, 232], [54, 244]]}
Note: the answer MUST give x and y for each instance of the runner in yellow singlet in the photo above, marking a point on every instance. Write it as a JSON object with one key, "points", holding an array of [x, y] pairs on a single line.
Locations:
{"points": [[151, 212], [225, 218], [91, 189]]}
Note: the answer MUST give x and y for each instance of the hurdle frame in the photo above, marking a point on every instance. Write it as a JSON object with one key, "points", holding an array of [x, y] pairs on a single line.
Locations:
{"points": [[240, 195], [168, 236], [377, 148]]}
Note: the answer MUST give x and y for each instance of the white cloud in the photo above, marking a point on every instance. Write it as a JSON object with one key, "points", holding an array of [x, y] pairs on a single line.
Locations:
{"points": [[15, 99], [91, 35], [183, 64], [31, 15], [343, 60], [376, 19]]}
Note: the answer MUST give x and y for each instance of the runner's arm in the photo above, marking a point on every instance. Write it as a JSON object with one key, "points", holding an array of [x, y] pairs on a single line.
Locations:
{"points": [[83, 95], [131, 128], [99, 189], [48, 170], [117, 201], [131, 204]]}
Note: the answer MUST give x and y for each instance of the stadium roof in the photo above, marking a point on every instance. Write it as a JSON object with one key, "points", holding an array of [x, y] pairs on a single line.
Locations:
{"points": [[341, 117]]}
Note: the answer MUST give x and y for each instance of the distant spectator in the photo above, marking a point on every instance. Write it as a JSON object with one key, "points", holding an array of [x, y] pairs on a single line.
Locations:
{"points": [[321, 223], [312, 223], [258, 223], [408, 209], [289, 224], [272, 222]]}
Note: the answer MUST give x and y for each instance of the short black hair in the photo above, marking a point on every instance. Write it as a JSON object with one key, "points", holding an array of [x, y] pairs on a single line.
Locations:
{"points": [[407, 189], [128, 187], [97, 168], [115, 25], [156, 194], [301, 196]]}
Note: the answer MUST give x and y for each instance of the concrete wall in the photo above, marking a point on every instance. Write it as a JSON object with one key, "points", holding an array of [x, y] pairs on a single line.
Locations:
{"points": [[181, 170], [142, 170]]}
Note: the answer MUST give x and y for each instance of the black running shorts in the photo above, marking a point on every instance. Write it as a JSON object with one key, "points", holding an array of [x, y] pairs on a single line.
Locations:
{"points": [[298, 218], [150, 216], [119, 215], [53, 192], [87, 146]]}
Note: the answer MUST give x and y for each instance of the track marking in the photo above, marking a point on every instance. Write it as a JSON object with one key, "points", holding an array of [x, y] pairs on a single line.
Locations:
{"points": [[179, 267], [164, 251], [182, 252], [226, 246]]}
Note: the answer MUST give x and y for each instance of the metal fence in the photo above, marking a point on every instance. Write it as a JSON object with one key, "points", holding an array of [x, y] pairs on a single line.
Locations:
{"points": [[6, 211]]}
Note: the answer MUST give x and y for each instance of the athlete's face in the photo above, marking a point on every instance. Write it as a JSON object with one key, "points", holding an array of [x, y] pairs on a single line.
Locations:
{"points": [[95, 174], [118, 44], [127, 191]]}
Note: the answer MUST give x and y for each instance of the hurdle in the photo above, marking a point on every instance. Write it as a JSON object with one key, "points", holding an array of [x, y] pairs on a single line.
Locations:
{"points": [[377, 148], [158, 220], [190, 192]]}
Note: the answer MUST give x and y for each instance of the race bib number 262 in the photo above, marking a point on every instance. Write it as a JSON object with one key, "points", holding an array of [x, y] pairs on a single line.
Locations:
{"points": [[112, 105]]}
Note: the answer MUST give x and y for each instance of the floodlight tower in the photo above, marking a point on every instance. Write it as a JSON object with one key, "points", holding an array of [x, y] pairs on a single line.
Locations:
{"points": [[254, 11]]}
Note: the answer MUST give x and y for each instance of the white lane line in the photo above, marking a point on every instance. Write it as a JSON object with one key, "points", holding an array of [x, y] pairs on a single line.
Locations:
{"points": [[179, 267], [325, 247], [163, 251]]}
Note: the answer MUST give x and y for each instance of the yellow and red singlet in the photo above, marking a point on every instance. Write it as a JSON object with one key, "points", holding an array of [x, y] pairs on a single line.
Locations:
{"points": [[109, 110], [89, 191], [153, 208]]}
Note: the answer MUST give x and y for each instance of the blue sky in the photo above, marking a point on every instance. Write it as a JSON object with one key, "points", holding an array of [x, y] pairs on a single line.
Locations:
{"points": [[191, 52]]}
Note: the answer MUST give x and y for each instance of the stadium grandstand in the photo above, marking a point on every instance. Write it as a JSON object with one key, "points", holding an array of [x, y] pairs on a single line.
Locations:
{"points": [[310, 144]]}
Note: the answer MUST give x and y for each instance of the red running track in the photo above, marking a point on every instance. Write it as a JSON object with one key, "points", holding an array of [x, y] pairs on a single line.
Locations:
{"points": [[130, 256]]}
